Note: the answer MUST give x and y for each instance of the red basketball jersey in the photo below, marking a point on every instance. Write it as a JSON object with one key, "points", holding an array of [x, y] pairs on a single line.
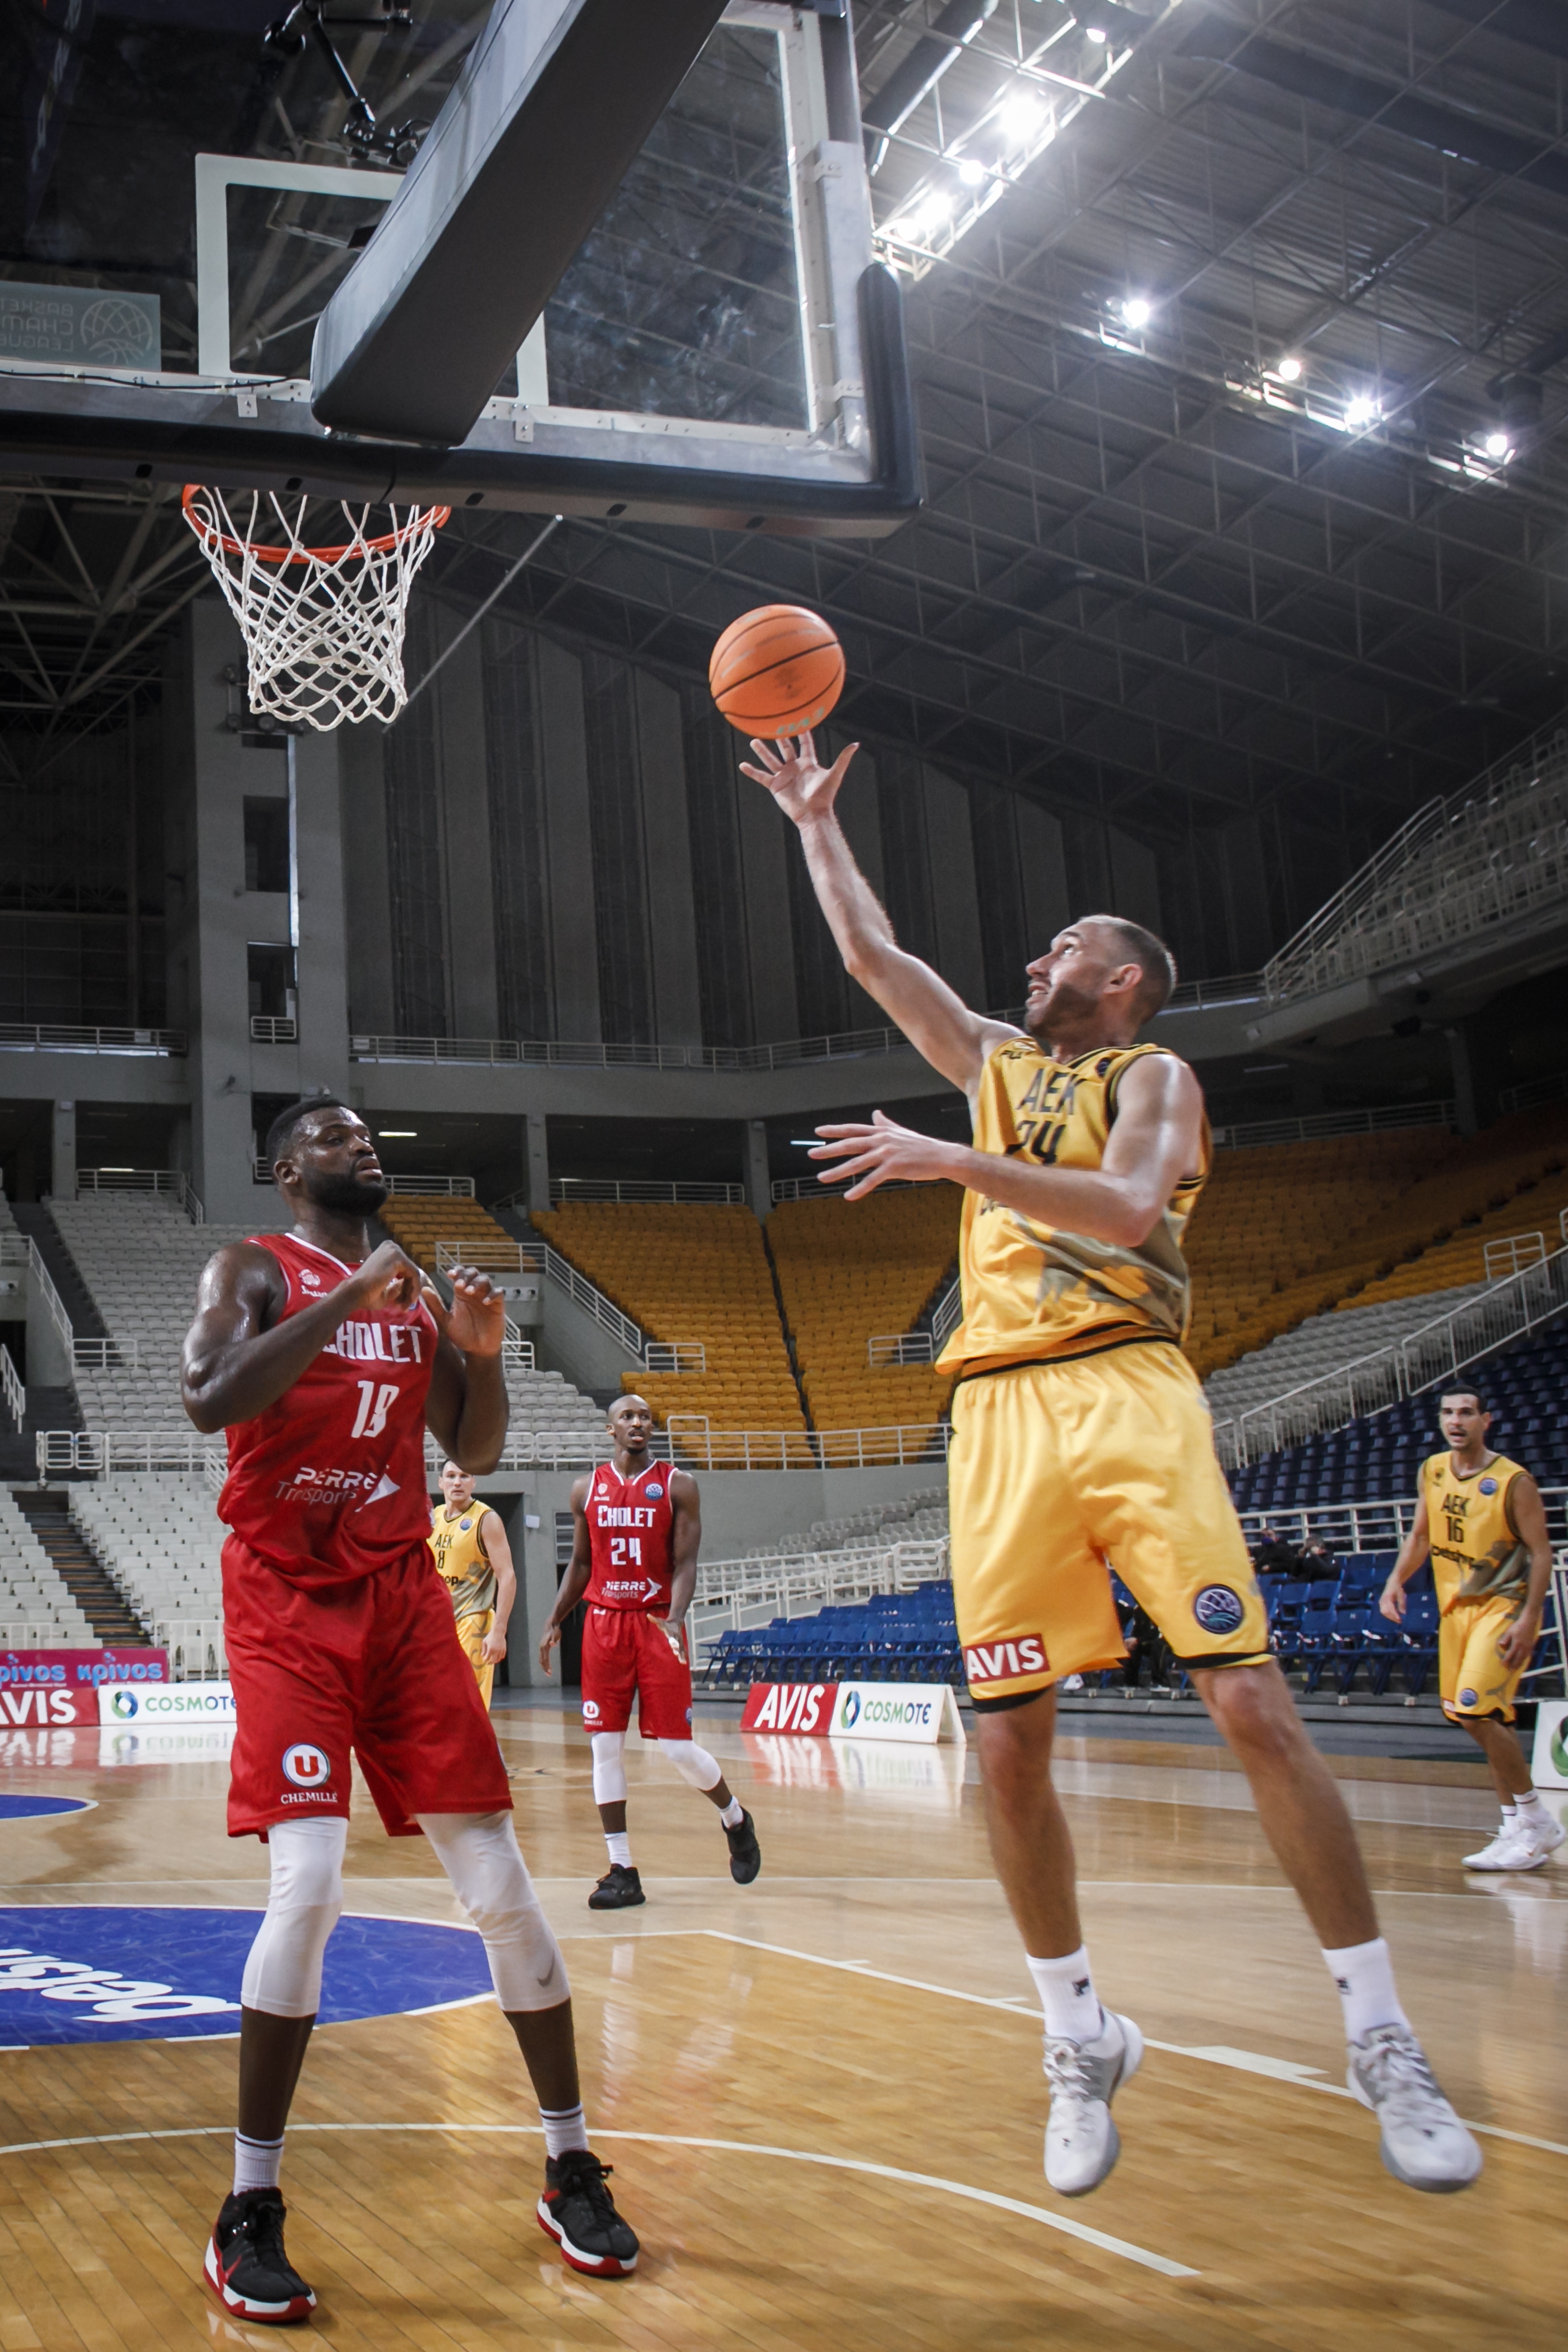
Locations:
{"points": [[329, 1483], [631, 1537]]}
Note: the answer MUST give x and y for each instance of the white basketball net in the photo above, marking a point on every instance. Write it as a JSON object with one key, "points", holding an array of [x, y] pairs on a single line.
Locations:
{"points": [[323, 624]]}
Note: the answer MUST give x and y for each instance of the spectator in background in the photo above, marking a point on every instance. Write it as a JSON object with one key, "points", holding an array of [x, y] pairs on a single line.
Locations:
{"points": [[1274, 1556], [1317, 1560]]}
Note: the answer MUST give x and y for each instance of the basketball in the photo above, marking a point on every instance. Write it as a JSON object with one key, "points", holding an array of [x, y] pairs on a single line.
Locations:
{"points": [[777, 671]]}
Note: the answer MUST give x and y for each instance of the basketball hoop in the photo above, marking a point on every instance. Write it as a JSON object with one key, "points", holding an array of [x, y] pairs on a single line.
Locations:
{"points": [[322, 625]]}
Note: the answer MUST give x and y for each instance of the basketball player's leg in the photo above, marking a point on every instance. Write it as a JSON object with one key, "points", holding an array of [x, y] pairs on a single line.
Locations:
{"points": [[1156, 1502], [431, 1762], [289, 1775], [1033, 1603], [1478, 1692], [609, 1687], [664, 1713]]}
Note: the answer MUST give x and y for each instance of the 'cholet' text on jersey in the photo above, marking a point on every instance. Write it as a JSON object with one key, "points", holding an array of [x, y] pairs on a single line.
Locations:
{"points": [[631, 1539], [329, 1483]]}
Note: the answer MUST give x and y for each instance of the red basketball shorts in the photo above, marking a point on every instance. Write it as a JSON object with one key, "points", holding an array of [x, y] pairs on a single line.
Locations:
{"points": [[371, 1666], [625, 1650]]}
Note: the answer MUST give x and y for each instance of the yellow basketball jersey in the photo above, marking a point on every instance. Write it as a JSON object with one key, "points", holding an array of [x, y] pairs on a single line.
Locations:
{"points": [[1032, 1292], [1476, 1550], [459, 1546]]}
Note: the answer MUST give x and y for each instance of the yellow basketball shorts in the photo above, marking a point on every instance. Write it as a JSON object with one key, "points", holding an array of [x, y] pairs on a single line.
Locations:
{"points": [[1058, 1473], [1471, 1676], [471, 1632]]}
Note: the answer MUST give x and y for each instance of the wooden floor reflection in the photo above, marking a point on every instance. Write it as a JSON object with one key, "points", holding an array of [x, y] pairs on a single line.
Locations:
{"points": [[821, 2094]]}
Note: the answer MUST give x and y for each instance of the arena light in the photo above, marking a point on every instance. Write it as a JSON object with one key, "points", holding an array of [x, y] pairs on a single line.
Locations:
{"points": [[1360, 411], [1137, 310], [1288, 371], [1498, 445], [1096, 33], [396, 1134], [971, 174], [1020, 115]]}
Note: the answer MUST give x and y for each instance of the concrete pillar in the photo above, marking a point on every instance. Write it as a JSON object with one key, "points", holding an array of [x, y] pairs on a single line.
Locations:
{"points": [[954, 894], [671, 909], [536, 1161], [217, 921], [466, 809], [62, 1152], [321, 962], [765, 849], [1462, 1065], [756, 1175], [574, 932], [1044, 869], [367, 882]]}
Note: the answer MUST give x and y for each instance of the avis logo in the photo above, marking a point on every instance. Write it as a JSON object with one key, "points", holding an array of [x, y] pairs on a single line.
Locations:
{"points": [[999, 1662], [307, 1767]]}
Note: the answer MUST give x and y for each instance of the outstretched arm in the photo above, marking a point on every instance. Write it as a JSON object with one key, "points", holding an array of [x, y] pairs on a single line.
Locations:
{"points": [[498, 1552], [575, 1583], [1154, 1144], [934, 1019], [467, 1408], [686, 1510], [1412, 1552], [1527, 1517]]}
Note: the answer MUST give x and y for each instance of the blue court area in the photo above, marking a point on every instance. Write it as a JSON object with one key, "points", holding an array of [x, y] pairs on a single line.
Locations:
{"points": [[33, 1809], [107, 1973]]}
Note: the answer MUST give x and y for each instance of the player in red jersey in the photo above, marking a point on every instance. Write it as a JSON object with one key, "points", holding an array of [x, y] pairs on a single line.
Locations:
{"points": [[634, 1556], [325, 1360]]}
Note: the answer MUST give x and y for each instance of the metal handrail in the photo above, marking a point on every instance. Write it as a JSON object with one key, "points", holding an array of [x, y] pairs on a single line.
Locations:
{"points": [[589, 1189], [948, 1315], [1385, 1119], [699, 1446], [1402, 1367], [103, 1355], [1510, 1253], [11, 1387], [900, 1348], [1374, 1526], [21, 1249], [538, 1257], [157, 1181], [274, 1029], [67, 1037], [1457, 866]]}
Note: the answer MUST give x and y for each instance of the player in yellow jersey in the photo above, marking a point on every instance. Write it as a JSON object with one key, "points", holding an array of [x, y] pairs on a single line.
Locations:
{"points": [[1080, 1437], [473, 1560], [1482, 1522]]}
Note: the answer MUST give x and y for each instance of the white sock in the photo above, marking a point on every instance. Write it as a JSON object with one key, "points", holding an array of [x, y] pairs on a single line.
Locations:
{"points": [[1528, 1811], [732, 1814], [564, 2128], [255, 2163], [1364, 1975], [1068, 1997], [620, 1845]]}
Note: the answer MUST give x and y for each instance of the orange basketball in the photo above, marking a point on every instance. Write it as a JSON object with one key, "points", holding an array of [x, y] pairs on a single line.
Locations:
{"points": [[776, 671]]}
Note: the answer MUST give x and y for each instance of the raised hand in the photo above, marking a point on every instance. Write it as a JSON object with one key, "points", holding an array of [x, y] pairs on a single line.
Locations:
{"points": [[476, 1320], [874, 1155], [802, 786], [389, 1280]]}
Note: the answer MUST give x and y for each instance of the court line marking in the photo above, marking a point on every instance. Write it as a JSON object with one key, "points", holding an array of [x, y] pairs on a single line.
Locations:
{"points": [[1122, 2247], [1015, 2005]]}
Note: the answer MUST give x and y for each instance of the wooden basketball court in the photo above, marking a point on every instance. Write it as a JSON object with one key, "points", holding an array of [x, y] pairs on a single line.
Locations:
{"points": [[822, 2093]]}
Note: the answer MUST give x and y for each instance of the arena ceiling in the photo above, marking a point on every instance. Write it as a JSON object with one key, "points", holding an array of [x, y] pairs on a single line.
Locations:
{"points": [[1242, 398]]}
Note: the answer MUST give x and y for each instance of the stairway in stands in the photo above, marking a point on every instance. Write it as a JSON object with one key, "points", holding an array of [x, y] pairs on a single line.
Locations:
{"points": [[80, 1569]]}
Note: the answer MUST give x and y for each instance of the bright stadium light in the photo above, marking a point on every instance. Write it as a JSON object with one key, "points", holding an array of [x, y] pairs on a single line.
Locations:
{"points": [[1096, 33], [1360, 411], [1020, 114], [1137, 310], [1498, 445], [1288, 371], [971, 174]]}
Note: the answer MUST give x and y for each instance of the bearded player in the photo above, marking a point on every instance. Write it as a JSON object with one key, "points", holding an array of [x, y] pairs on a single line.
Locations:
{"points": [[634, 1554], [1079, 1435], [1481, 1521], [325, 1360]]}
